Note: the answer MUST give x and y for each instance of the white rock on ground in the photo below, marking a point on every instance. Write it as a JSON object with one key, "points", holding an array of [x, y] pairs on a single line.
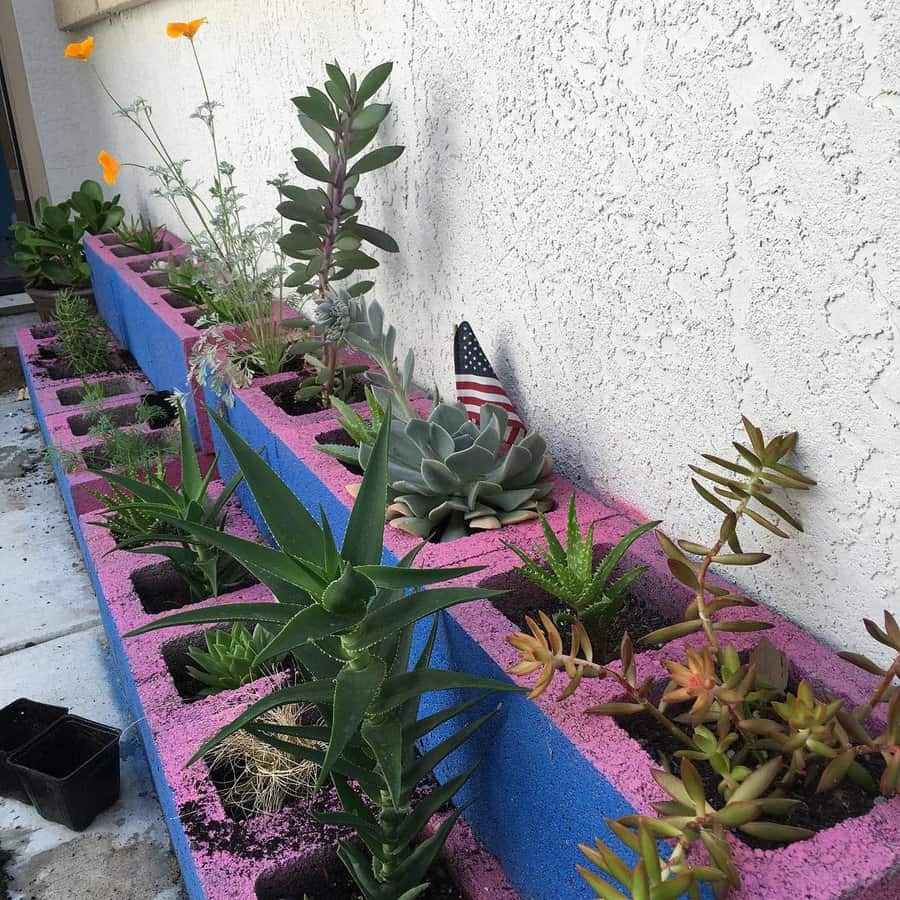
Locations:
{"points": [[52, 648]]}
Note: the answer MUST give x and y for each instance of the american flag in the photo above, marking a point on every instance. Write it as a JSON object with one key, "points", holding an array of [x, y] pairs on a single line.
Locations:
{"points": [[477, 383]]}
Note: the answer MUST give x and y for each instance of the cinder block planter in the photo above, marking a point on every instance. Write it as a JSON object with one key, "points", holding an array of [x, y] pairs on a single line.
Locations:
{"points": [[50, 394], [155, 325], [549, 774], [224, 856], [106, 256]]}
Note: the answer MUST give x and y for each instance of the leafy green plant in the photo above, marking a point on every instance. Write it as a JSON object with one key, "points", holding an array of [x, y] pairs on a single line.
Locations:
{"points": [[569, 574], [207, 569], [142, 235], [327, 235], [348, 623], [84, 340], [94, 214], [49, 253], [228, 661]]}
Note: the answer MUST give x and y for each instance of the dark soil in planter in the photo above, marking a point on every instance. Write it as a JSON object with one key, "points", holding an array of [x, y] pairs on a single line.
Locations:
{"points": [[175, 655], [161, 589], [164, 414], [123, 252], [112, 387], [176, 302], [325, 877], [282, 395], [11, 375], [191, 318], [339, 436], [156, 279], [44, 330], [818, 812], [639, 616], [62, 369]]}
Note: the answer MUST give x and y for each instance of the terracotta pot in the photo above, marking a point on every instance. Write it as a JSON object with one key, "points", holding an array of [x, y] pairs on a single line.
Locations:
{"points": [[45, 300]]}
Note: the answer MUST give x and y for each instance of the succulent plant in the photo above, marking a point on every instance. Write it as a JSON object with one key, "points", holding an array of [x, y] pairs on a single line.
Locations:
{"points": [[348, 623], [571, 576], [685, 820], [448, 476], [228, 662]]}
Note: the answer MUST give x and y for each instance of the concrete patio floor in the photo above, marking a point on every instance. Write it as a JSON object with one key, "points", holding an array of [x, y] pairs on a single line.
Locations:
{"points": [[52, 649]]}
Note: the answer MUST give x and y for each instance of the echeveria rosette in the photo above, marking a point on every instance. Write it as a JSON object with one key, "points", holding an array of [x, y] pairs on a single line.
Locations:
{"points": [[448, 476]]}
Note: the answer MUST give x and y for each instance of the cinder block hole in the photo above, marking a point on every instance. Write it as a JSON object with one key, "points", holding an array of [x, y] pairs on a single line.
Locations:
{"points": [[175, 656], [140, 266], [816, 812], [112, 387], [643, 611], [97, 458], [156, 279], [127, 414], [320, 875], [282, 395], [340, 437], [124, 252], [161, 589], [191, 318], [44, 330], [175, 301], [227, 774]]}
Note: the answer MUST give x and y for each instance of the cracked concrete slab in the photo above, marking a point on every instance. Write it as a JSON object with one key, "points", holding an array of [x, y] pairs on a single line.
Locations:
{"points": [[44, 588]]}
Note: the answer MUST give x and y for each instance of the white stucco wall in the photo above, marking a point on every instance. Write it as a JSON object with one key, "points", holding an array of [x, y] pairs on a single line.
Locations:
{"points": [[657, 215]]}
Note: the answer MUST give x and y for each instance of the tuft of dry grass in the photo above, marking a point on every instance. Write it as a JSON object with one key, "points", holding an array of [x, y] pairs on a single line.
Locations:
{"points": [[265, 777]]}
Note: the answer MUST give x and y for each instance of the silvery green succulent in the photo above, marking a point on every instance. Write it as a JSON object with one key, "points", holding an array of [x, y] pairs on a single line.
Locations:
{"points": [[333, 314], [448, 475]]}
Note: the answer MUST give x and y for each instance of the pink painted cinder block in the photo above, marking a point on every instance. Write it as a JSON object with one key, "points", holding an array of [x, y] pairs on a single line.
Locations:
{"points": [[230, 855], [858, 858], [69, 449], [336, 477], [35, 340]]}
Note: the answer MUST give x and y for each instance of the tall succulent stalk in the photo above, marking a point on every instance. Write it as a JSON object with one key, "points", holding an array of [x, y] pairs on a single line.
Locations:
{"points": [[328, 235], [348, 623]]}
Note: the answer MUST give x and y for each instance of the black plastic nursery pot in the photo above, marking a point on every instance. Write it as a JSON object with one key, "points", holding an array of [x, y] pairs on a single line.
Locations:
{"points": [[71, 771], [20, 723]]}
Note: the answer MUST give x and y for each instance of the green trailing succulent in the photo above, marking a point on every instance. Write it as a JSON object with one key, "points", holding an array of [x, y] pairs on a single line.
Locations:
{"points": [[207, 569], [327, 236], [348, 621], [229, 659], [570, 574]]}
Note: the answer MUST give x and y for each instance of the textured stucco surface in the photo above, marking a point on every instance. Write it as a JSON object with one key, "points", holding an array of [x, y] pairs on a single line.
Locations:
{"points": [[656, 215]]}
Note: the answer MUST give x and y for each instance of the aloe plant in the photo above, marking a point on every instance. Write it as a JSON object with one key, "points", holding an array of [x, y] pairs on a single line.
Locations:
{"points": [[571, 576], [348, 621], [228, 661], [152, 512]]}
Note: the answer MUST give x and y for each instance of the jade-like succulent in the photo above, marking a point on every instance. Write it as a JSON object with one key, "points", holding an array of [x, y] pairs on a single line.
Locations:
{"points": [[228, 662], [448, 475]]}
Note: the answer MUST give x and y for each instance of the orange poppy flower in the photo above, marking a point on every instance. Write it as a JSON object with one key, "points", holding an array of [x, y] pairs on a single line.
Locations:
{"points": [[110, 166], [184, 29], [82, 50]]}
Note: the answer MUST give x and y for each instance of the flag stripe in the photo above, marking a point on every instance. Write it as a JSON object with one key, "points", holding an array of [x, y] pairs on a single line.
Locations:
{"points": [[482, 396], [474, 411]]}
